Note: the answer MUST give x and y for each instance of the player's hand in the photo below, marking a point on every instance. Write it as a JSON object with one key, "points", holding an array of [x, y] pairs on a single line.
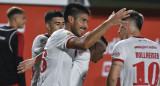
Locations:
{"points": [[25, 65], [116, 18]]}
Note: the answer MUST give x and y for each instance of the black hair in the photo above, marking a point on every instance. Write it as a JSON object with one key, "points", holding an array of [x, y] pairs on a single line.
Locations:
{"points": [[14, 10], [50, 14], [104, 40], [74, 9], [136, 17]]}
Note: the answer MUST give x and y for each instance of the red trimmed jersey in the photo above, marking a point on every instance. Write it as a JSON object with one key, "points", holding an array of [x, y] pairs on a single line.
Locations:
{"points": [[37, 48], [56, 62], [141, 58], [80, 67]]}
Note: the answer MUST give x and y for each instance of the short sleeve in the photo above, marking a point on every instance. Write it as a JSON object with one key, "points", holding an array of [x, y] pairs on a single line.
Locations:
{"points": [[38, 44], [118, 53], [62, 38]]}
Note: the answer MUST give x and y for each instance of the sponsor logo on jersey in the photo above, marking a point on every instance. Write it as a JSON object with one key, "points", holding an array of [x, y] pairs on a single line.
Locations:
{"points": [[144, 47]]}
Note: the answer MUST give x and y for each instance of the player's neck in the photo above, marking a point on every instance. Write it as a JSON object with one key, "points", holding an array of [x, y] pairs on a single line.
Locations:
{"points": [[68, 26], [136, 34], [13, 24]]}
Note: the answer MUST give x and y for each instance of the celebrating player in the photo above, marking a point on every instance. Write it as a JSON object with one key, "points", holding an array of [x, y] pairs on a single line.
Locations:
{"points": [[54, 20], [135, 58], [60, 48]]}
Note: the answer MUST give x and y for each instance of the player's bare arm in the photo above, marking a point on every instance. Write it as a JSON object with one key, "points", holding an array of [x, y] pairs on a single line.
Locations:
{"points": [[88, 41], [28, 64], [114, 73]]}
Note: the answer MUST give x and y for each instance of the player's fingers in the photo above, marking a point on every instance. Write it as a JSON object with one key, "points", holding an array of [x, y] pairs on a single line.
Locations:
{"points": [[123, 22], [124, 16], [21, 71], [20, 68], [20, 65], [113, 13], [121, 11]]}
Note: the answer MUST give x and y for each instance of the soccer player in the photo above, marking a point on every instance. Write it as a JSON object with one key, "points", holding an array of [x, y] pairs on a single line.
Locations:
{"points": [[54, 20], [60, 47], [136, 59], [11, 48], [82, 59]]}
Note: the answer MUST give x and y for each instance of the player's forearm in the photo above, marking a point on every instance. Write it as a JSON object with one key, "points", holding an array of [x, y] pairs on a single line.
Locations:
{"points": [[88, 40], [38, 58], [96, 34], [111, 82]]}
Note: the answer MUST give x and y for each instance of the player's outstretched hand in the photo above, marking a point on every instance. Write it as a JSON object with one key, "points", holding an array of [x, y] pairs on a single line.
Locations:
{"points": [[25, 65], [116, 18]]}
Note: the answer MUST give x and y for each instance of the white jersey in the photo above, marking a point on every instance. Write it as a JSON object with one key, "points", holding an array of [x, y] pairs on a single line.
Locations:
{"points": [[37, 47], [56, 62], [141, 58], [80, 67]]}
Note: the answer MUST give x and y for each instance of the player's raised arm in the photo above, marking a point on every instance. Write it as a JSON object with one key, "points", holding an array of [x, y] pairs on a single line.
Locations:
{"points": [[28, 64], [86, 42]]}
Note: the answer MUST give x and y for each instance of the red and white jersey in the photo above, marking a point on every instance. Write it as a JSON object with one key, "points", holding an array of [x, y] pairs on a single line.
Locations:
{"points": [[141, 58], [37, 48], [56, 62], [80, 67]]}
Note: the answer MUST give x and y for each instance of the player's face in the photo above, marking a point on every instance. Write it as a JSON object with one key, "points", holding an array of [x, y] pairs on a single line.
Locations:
{"points": [[80, 24], [97, 52], [20, 20], [56, 23], [122, 31]]}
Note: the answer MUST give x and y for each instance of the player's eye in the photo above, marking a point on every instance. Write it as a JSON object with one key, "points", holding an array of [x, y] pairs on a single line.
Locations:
{"points": [[57, 24]]}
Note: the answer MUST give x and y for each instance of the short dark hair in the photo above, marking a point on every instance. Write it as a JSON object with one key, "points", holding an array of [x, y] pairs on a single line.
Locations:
{"points": [[104, 40], [73, 9], [14, 10], [50, 14], [136, 17]]}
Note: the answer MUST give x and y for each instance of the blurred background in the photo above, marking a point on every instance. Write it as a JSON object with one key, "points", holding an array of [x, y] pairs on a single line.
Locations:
{"points": [[100, 10]]}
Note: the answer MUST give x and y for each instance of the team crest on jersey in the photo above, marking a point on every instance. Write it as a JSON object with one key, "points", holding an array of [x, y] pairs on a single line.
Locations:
{"points": [[68, 33], [42, 41]]}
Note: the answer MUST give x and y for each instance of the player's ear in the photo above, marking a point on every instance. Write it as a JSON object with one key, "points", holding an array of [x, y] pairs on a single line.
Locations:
{"points": [[71, 19], [48, 27], [15, 18], [127, 25], [96, 45]]}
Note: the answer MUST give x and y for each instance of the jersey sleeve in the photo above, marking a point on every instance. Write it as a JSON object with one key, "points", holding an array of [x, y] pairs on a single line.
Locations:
{"points": [[38, 44], [62, 39], [118, 53]]}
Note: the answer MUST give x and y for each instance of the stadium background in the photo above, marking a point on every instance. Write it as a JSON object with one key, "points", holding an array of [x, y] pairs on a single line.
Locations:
{"points": [[98, 72]]}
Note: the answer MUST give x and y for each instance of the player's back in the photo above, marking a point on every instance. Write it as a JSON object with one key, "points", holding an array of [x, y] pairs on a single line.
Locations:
{"points": [[56, 61], [141, 62]]}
